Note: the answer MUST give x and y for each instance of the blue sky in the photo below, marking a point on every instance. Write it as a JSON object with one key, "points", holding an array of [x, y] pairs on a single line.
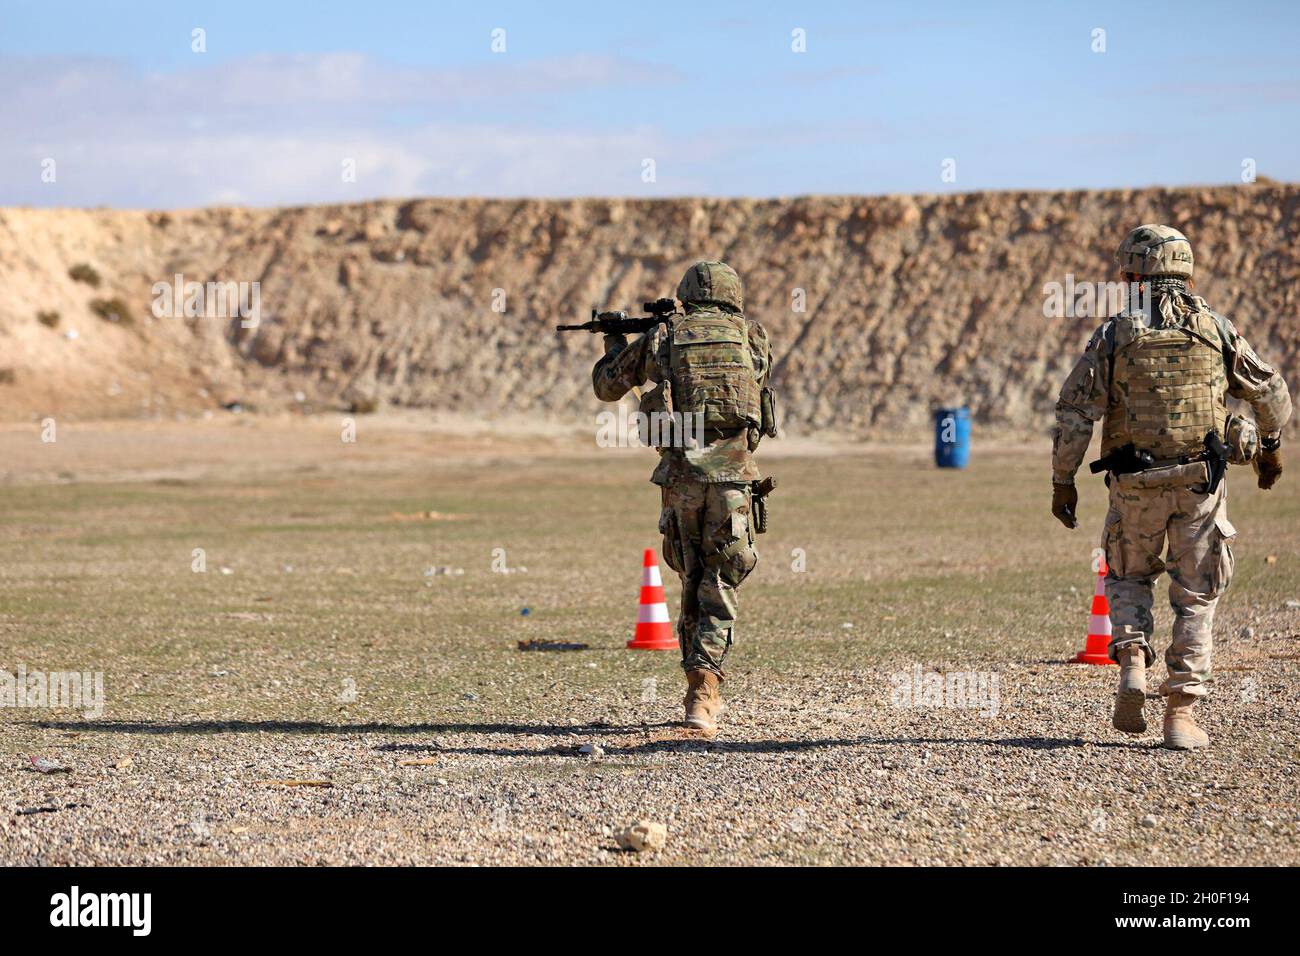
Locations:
{"points": [[584, 93]]}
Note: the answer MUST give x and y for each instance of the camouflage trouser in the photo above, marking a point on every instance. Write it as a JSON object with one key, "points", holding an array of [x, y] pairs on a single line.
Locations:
{"points": [[709, 542], [1199, 561]]}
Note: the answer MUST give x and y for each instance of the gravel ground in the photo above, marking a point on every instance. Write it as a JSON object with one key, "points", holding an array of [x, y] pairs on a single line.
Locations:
{"points": [[1043, 782], [329, 655]]}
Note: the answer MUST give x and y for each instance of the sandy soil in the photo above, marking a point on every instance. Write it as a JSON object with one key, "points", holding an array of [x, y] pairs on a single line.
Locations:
{"points": [[353, 617]]}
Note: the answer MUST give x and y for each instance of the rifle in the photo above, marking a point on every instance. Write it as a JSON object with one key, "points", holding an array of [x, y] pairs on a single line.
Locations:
{"points": [[1127, 459], [619, 323], [1123, 461]]}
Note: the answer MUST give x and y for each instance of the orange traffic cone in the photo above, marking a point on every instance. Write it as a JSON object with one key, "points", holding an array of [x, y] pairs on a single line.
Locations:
{"points": [[1094, 649], [654, 632]]}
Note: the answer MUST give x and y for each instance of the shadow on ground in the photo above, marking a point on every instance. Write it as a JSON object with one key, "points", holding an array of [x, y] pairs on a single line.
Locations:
{"points": [[320, 727], [688, 741]]}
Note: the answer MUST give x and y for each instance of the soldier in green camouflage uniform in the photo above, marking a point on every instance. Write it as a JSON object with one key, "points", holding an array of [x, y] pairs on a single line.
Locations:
{"points": [[1160, 376], [710, 367]]}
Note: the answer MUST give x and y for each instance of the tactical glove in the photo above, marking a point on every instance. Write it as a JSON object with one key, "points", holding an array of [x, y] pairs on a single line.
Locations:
{"points": [[1268, 466], [1065, 499]]}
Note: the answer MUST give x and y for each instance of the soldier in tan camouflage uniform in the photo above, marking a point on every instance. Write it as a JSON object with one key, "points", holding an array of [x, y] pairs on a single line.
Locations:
{"points": [[1160, 376], [709, 367]]}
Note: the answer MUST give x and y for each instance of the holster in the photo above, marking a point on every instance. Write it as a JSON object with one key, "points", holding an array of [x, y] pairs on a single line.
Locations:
{"points": [[758, 492]]}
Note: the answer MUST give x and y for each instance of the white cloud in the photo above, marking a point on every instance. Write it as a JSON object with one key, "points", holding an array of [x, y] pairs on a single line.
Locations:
{"points": [[276, 130]]}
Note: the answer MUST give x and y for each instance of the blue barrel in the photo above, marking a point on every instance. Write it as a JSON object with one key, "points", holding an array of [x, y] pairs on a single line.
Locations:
{"points": [[952, 437]]}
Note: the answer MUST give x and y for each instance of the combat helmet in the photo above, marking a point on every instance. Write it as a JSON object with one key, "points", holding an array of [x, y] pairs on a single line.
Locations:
{"points": [[1155, 250], [712, 283]]}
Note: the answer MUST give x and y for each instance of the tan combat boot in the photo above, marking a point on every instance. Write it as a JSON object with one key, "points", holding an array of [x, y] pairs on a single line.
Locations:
{"points": [[703, 703], [1132, 693], [1181, 732]]}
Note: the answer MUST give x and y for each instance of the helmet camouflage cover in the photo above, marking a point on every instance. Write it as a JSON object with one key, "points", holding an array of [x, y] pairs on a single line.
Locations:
{"points": [[1155, 250], [712, 283]]}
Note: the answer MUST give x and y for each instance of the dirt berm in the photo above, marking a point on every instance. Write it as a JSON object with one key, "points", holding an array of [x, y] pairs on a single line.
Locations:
{"points": [[878, 307]]}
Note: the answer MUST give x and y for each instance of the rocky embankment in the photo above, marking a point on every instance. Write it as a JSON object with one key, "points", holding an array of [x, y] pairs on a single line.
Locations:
{"points": [[878, 307]]}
